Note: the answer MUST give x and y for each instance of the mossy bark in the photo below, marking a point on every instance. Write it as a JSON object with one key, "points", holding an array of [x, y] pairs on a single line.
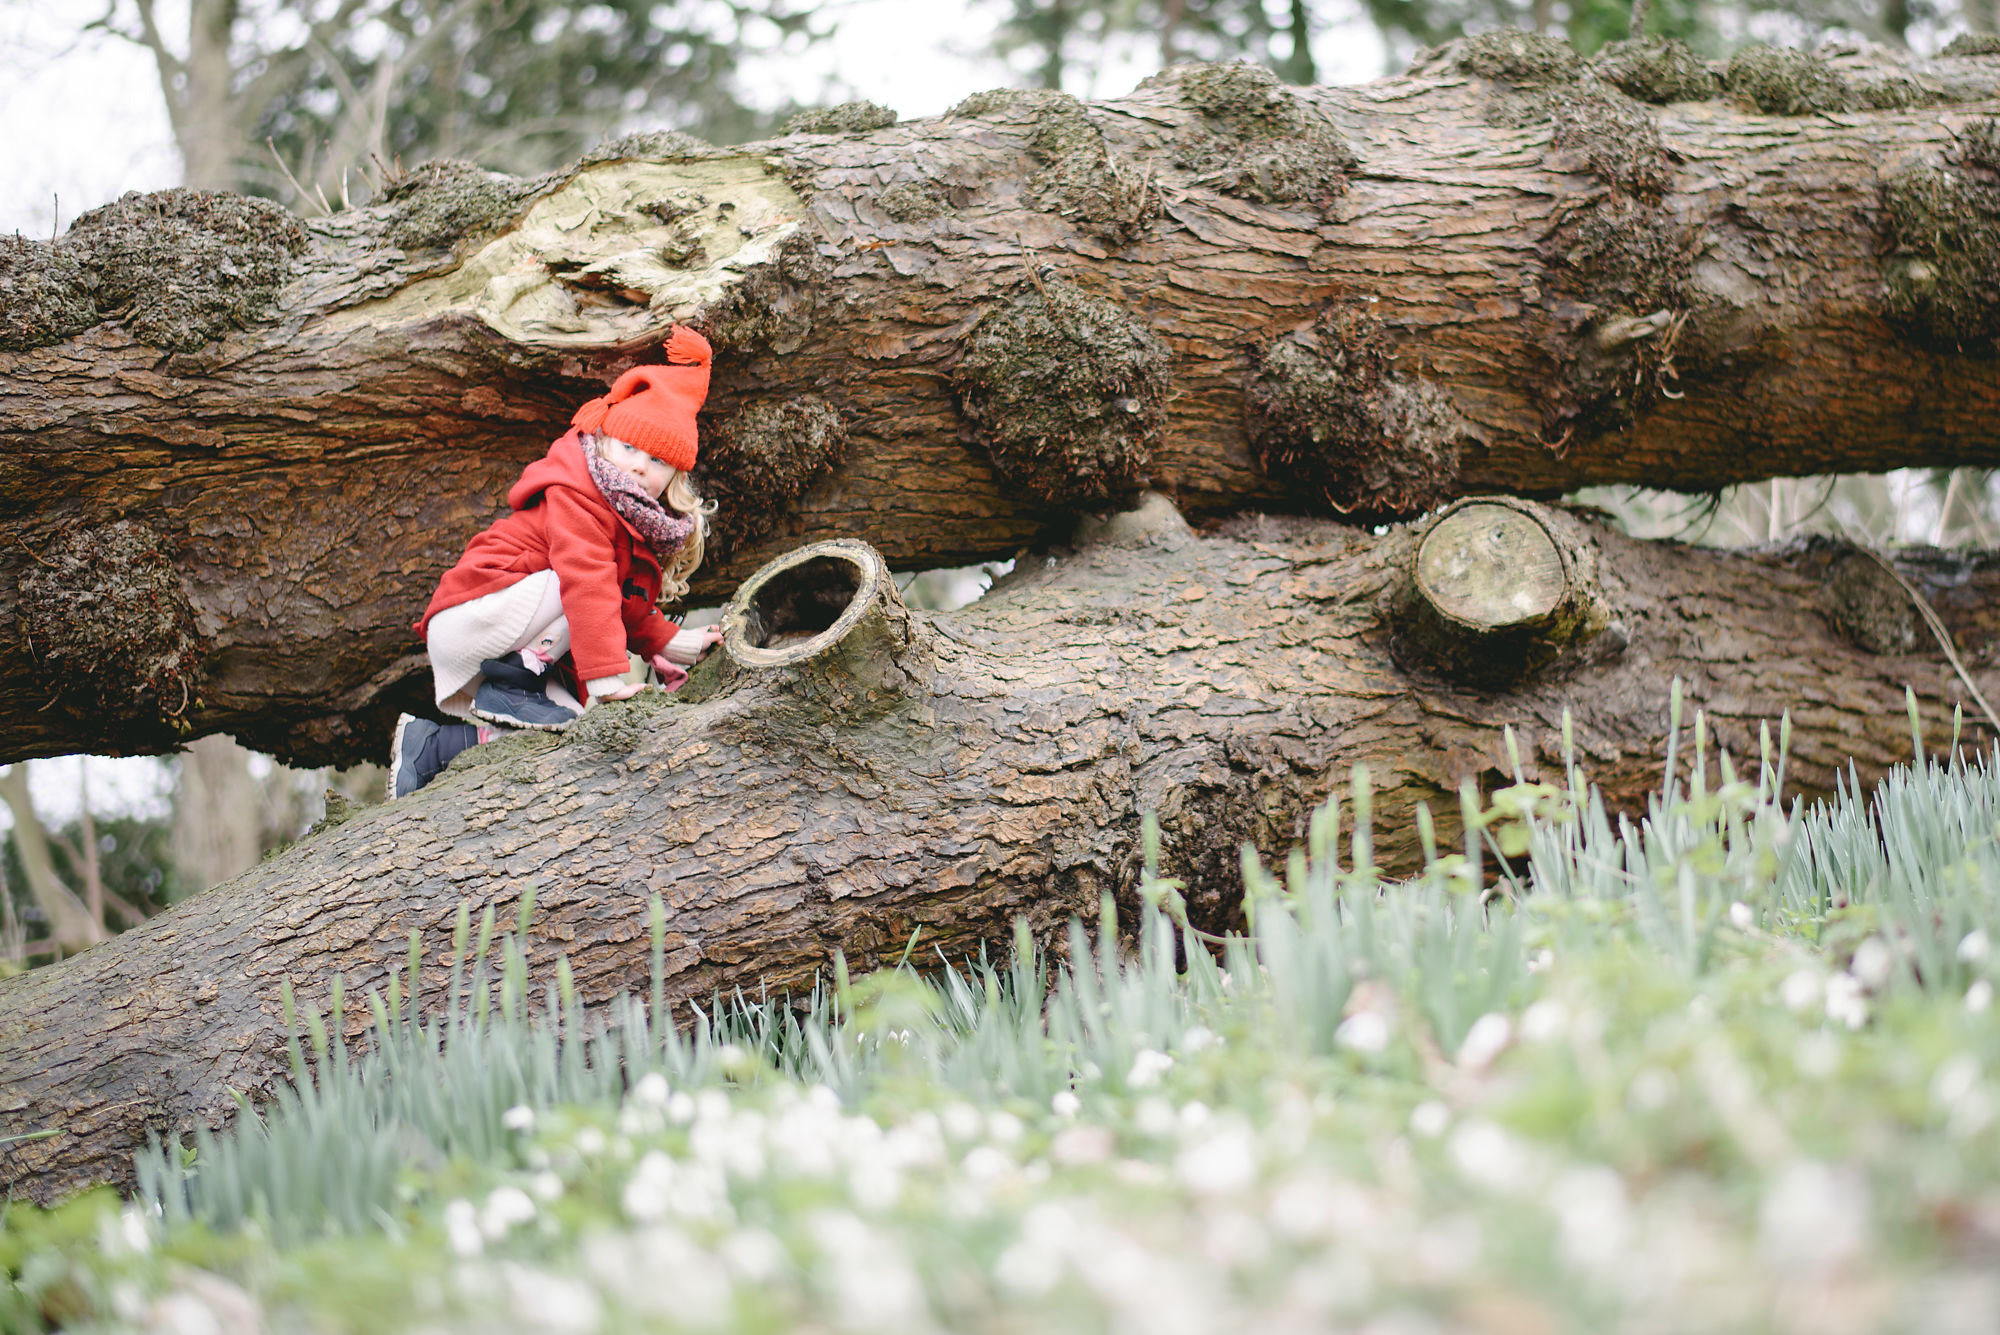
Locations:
{"points": [[980, 765], [312, 471]]}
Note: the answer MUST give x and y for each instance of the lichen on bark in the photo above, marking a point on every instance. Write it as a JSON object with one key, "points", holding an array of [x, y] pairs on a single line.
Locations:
{"points": [[1943, 270], [847, 118], [439, 204], [1656, 70], [1256, 139], [1066, 390], [1330, 415], [757, 464], [1078, 176], [44, 295], [110, 629], [181, 268]]}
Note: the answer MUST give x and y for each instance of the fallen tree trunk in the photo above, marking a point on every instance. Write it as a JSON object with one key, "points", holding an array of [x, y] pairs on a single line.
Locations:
{"points": [[236, 449], [850, 772]]}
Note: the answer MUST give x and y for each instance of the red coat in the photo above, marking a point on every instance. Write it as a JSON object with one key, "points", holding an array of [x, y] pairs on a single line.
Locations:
{"points": [[561, 522]]}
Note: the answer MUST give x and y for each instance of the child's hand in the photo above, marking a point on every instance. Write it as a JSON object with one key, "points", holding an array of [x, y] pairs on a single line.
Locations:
{"points": [[672, 675], [688, 646], [623, 690]]}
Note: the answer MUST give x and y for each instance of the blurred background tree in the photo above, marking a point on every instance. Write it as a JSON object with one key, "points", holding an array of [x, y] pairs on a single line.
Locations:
{"points": [[335, 92]]}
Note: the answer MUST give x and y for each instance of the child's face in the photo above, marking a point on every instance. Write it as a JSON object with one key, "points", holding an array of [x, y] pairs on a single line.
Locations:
{"points": [[651, 473]]}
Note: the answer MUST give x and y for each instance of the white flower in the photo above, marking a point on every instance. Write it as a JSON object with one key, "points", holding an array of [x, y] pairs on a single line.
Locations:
{"points": [[1154, 1117], [680, 1109], [1364, 1032], [732, 1059], [753, 1255], [1544, 1020], [1954, 1079], [1845, 1003], [1491, 1157], [1979, 997], [1003, 1128], [124, 1233], [1078, 1145], [1429, 1119], [1742, 916], [545, 1302], [1199, 1039], [986, 1164], [1065, 1104], [651, 1090], [1975, 947], [1651, 1089], [1593, 1215], [1193, 1114], [505, 1207], [961, 1121], [590, 1141], [1873, 963], [461, 1228], [1542, 960], [1148, 1065], [546, 1187], [1800, 991], [1223, 1161], [1485, 1040], [651, 1186], [1815, 1216], [520, 1117]]}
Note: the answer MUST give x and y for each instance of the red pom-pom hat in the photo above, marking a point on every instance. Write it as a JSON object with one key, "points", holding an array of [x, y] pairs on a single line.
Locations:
{"points": [[653, 407]]}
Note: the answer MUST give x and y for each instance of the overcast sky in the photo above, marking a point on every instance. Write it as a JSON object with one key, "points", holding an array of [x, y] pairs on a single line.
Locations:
{"points": [[84, 121]]}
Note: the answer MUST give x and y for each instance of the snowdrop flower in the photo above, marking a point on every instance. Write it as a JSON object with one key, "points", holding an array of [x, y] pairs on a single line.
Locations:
{"points": [[986, 1164], [590, 1142], [1592, 1214], [1003, 1128], [1065, 1104], [125, 1233], [680, 1110], [1154, 1117], [732, 1059], [651, 1090], [1845, 1003], [1975, 947], [1485, 1040], [1542, 960], [1221, 1162], [1651, 1089], [753, 1255], [1430, 1119], [1366, 1032], [1491, 1157], [461, 1228], [1148, 1065], [651, 1186], [1742, 916], [546, 1187], [1544, 1020], [1800, 991], [1199, 1039], [505, 1207], [1815, 1216], [1979, 997], [520, 1117], [961, 1121], [546, 1302], [1193, 1114], [1078, 1145], [1873, 963]]}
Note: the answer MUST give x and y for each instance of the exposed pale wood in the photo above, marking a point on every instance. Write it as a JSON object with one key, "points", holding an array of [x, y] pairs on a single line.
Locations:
{"points": [[1225, 682]]}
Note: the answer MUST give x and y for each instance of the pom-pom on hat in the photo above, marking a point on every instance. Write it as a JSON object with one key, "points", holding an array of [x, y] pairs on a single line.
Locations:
{"points": [[653, 407]]}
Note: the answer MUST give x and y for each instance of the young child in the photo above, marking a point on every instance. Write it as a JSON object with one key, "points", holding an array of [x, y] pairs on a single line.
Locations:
{"points": [[601, 527]]}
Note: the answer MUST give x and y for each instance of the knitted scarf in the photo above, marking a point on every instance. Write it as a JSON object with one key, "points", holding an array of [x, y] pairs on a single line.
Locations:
{"points": [[663, 530]]}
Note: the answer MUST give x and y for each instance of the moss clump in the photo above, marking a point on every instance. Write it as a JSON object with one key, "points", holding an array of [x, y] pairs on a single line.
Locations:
{"points": [[44, 295], [110, 627], [1616, 140], [440, 203], [1657, 71], [1010, 102], [1067, 391], [847, 118], [1944, 271], [915, 201], [1256, 140], [180, 267], [1780, 81], [1328, 413], [649, 146], [1973, 44], [756, 465], [1516, 56], [1081, 178], [618, 727], [772, 304]]}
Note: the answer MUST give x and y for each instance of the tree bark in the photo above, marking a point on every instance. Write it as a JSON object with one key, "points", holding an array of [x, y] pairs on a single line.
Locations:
{"points": [[1486, 275], [848, 772]]}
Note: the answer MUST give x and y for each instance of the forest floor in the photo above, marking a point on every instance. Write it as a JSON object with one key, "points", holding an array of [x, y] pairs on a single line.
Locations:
{"points": [[1728, 1069]]}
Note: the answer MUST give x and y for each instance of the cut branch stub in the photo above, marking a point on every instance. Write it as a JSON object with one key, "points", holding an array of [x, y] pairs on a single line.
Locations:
{"points": [[1501, 588], [827, 621]]}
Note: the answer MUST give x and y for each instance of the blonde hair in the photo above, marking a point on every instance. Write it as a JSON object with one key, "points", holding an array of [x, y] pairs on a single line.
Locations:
{"points": [[679, 496]]}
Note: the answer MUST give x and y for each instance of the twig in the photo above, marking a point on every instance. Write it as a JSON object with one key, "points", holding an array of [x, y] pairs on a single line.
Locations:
{"points": [[1028, 263], [1930, 617], [293, 179], [33, 557]]}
